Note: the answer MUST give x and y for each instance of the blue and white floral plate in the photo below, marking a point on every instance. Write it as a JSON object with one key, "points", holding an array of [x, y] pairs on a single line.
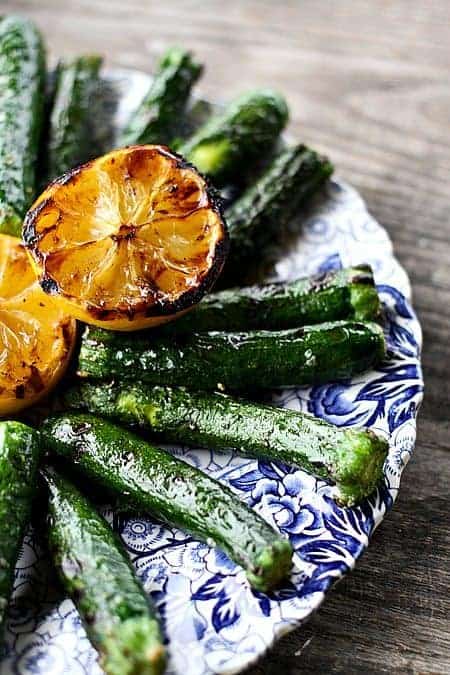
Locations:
{"points": [[213, 621]]}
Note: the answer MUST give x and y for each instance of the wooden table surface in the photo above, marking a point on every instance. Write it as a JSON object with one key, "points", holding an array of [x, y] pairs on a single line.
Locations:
{"points": [[368, 83]]}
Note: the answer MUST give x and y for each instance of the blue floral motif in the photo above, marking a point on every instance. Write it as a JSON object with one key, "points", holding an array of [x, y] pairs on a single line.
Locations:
{"points": [[333, 262], [281, 498], [212, 620], [225, 611]]}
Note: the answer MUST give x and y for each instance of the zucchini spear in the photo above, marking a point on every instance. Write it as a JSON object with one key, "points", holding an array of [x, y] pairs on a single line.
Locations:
{"points": [[20, 452], [259, 217], [149, 479], [229, 144], [22, 93], [69, 142], [351, 458], [251, 360], [99, 578], [157, 117], [342, 294]]}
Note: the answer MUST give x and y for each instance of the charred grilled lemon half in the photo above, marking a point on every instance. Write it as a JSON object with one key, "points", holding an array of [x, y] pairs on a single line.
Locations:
{"points": [[129, 240], [36, 336]]}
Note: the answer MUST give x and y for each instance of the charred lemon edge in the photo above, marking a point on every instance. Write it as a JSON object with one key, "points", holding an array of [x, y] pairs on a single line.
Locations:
{"points": [[125, 319]]}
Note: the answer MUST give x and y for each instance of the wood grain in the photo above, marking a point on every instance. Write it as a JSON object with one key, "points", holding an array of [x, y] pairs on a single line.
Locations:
{"points": [[367, 82]]}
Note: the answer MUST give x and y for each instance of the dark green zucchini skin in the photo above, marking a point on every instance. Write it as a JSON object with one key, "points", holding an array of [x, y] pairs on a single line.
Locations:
{"points": [[20, 452], [229, 144], [98, 576], [151, 480], [351, 458], [250, 360], [158, 116], [69, 142], [22, 96], [259, 217], [341, 294]]}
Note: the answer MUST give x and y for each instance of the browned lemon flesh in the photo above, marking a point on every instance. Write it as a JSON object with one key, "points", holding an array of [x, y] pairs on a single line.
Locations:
{"points": [[128, 240], [36, 337]]}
